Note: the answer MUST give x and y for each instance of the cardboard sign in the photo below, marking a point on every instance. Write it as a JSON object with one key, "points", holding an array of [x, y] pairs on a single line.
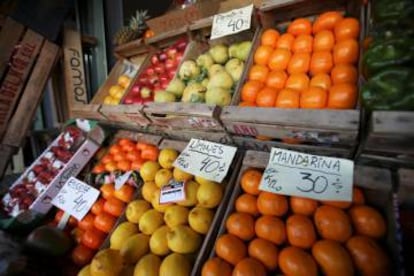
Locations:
{"points": [[306, 175], [173, 192], [232, 22], [76, 198], [206, 159]]}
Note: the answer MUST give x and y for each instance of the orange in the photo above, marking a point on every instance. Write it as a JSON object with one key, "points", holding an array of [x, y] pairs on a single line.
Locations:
{"points": [[87, 222], [285, 41], [72, 222], [333, 258], [97, 207], [82, 255], [279, 59], [344, 73], [115, 149], [104, 222], [300, 231], [342, 96], [258, 73], [123, 165], [303, 44], [296, 261], [348, 28], [321, 63], [276, 79], [111, 166], [314, 97], [300, 26], [323, 41], [249, 266], [368, 257], [93, 238], [230, 248], [107, 158], [303, 206], [241, 225], [250, 90], [247, 104], [297, 81], [338, 204], [264, 251], [114, 206], [247, 203], [99, 168], [269, 37], [124, 141], [288, 98], [299, 63], [141, 146], [250, 181], [133, 155], [150, 153], [321, 80], [326, 21], [107, 190], [125, 193], [127, 147], [262, 54], [216, 267], [367, 221], [272, 204], [333, 223], [136, 165], [266, 97], [358, 197], [271, 228], [346, 51]]}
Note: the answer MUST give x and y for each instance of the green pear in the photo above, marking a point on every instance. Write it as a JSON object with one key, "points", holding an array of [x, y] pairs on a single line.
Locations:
{"points": [[205, 60], [218, 96], [235, 68], [221, 79], [189, 70], [194, 93], [219, 53], [164, 97], [176, 87], [215, 68]]}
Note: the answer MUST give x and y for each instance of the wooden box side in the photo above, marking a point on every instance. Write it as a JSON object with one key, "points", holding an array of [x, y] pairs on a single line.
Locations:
{"points": [[10, 35]]}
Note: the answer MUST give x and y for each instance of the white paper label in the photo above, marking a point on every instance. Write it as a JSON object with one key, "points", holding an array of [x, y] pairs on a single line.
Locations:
{"points": [[206, 159], [306, 175], [121, 180], [173, 192], [76, 198], [232, 22]]}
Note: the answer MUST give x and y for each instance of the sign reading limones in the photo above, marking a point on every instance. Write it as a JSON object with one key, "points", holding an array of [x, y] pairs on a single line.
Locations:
{"points": [[76, 198], [206, 159], [306, 175], [232, 22]]}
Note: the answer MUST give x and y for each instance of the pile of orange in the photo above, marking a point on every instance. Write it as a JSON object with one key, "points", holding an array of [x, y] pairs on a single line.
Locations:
{"points": [[312, 65], [275, 234], [126, 155]]}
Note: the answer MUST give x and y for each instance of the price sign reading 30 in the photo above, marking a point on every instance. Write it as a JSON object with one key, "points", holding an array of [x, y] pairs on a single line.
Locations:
{"points": [[306, 175], [206, 159], [76, 198]]}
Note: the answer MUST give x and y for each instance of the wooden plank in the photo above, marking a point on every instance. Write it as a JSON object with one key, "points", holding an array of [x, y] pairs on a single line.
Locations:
{"points": [[5, 157], [395, 144], [138, 136], [393, 122], [32, 95], [406, 186], [128, 114], [88, 111], [14, 81], [9, 36], [74, 70], [169, 143], [219, 137]]}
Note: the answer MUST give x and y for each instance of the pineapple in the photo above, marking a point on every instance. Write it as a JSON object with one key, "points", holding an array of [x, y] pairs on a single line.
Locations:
{"points": [[134, 30]]}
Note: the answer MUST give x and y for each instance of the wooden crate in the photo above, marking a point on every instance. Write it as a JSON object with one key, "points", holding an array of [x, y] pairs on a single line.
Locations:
{"points": [[321, 128], [6, 154], [377, 185], [219, 137], [88, 111]]}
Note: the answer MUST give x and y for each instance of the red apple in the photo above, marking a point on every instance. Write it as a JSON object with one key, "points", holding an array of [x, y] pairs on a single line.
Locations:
{"points": [[129, 99], [135, 89], [171, 52], [171, 73], [170, 64], [137, 100], [145, 92], [163, 56], [181, 45], [159, 68], [164, 78], [153, 79], [179, 57], [150, 71], [155, 60]]}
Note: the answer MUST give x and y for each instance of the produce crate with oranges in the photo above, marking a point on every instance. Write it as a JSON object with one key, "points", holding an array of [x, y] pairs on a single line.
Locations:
{"points": [[171, 238], [265, 233], [301, 85]]}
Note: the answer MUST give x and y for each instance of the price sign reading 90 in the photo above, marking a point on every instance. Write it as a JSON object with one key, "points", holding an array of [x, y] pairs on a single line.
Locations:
{"points": [[76, 198], [206, 159], [313, 176]]}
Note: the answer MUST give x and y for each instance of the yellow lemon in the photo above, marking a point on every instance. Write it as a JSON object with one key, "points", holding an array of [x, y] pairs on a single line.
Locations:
{"points": [[167, 157], [148, 170], [136, 209]]}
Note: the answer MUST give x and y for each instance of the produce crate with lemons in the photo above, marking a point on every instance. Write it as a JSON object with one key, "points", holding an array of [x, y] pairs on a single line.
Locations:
{"points": [[301, 85], [166, 239], [264, 233]]}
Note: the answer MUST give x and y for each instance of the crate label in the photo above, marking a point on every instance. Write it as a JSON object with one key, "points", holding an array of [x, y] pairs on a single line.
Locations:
{"points": [[299, 174], [232, 22], [76, 198], [122, 179], [174, 191], [206, 159]]}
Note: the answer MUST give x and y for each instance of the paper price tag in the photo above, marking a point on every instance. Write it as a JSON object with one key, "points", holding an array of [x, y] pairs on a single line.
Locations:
{"points": [[206, 159], [122, 179], [76, 198], [232, 22], [306, 175], [173, 192]]}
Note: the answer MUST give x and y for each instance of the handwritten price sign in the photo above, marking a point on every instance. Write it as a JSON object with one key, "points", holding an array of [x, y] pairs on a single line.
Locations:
{"points": [[206, 159], [76, 198], [232, 22], [306, 175]]}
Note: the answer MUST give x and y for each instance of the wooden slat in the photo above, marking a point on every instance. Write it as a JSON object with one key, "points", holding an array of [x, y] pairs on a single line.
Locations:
{"points": [[6, 153], [138, 136], [32, 95], [220, 137], [174, 144], [88, 111], [393, 123], [128, 114], [9, 36]]}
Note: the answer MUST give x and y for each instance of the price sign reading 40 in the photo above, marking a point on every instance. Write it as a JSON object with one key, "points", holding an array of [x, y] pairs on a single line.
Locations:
{"points": [[306, 175], [76, 198], [206, 159]]}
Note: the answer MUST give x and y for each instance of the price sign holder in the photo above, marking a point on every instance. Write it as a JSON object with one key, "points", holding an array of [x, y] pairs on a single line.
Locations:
{"points": [[298, 174], [76, 198], [232, 22], [174, 191], [122, 179], [206, 159]]}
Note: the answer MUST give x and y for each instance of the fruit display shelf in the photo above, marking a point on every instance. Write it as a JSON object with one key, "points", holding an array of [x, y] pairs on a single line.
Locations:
{"points": [[377, 191]]}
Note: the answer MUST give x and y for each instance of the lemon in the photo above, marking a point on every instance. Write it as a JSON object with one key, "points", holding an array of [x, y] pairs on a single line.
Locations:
{"points": [[209, 194], [149, 265], [150, 221], [162, 177], [136, 209], [200, 219], [201, 180], [148, 190], [158, 241], [107, 262], [167, 157], [148, 170], [134, 248], [181, 175], [191, 188], [85, 271], [176, 215], [183, 239], [155, 201], [175, 265], [122, 233]]}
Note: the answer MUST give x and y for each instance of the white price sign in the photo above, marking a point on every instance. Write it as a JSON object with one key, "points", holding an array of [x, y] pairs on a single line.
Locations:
{"points": [[173, 192], [206, 159], [76, 198], [122, 179], [232, 22], [306, 175]]}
